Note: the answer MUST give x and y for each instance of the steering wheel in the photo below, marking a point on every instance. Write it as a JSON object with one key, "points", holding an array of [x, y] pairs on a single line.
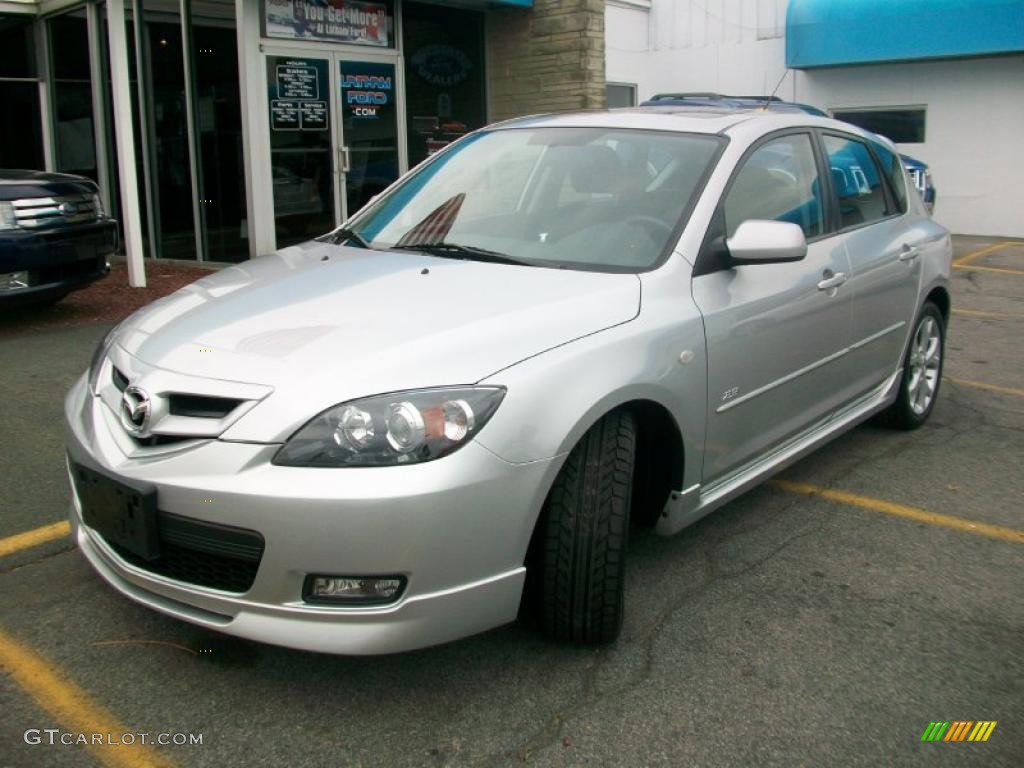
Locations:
{"points": [[651, 223]]}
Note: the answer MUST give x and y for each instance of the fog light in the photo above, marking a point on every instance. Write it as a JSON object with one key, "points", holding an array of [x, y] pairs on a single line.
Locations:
{"points": [[11, 281], [357, 590]]}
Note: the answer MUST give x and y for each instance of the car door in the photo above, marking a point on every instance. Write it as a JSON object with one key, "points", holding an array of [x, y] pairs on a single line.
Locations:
{"points": [[883, 249], [773, 331]]}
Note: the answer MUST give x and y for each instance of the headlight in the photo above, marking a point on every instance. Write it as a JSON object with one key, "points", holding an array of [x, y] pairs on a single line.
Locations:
{"points": [[385, 430], [98, 357], [7, 218]]}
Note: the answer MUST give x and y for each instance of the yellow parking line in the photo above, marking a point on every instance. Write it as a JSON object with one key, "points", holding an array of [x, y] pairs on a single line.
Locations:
{"points": [[968, 258], [987, 387], [996, 315], [73, 710], [901, 510], [34, 538], [972, 268]]}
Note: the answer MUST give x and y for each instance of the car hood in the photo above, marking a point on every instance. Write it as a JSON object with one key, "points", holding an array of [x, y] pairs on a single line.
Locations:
{"points": [[321, 324], [18, 184]]}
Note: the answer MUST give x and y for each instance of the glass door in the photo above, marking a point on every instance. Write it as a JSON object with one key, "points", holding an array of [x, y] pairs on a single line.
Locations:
{"points": [[334, 139], [368, 130], [301, 150]]}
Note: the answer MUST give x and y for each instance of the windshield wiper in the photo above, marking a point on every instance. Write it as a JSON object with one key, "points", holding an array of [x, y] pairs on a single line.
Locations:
{"points": [[342, 235], [468, 252]]}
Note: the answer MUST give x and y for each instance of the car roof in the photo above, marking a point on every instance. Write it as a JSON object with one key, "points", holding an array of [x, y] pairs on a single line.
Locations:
{"points": [[730, 121]]}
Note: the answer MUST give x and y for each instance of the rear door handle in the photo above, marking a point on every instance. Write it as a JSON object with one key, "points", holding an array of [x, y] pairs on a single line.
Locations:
{"points": [[831, 280], [909, 253]]}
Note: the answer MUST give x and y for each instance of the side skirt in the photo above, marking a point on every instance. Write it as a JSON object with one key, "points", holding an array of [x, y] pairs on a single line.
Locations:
{"points": [[687, 506]]}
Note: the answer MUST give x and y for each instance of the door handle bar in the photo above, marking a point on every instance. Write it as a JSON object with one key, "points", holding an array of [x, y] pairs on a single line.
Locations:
{"points": [[832, 282], [909, 254]]}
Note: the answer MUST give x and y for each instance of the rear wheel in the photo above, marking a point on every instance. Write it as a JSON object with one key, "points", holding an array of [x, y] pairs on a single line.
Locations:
{"points": [[922, 372], [583, 535]]}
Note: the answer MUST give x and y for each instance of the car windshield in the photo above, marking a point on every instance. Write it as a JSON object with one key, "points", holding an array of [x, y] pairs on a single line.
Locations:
{"points": [[587, 198]]}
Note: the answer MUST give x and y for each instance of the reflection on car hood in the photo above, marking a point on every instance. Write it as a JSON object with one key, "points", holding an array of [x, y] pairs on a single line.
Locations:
{"points": [[323, 324]]}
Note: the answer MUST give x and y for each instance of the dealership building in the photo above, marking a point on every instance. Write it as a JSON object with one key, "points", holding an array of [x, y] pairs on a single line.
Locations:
{"points": [[218, 130], [223, 129], [942, 78]]}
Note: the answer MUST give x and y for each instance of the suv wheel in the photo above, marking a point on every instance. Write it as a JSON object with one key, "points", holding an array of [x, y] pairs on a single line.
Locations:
{"points": [[922, 372], [583, 535]]}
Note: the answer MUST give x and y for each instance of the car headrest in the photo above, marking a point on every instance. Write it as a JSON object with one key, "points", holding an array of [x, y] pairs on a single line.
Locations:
{"points": [[594, 169]]}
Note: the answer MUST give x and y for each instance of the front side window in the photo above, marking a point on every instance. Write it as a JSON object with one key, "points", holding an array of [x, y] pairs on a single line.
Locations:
{"points": [[857, 181], [778, 182], [577, 197]]}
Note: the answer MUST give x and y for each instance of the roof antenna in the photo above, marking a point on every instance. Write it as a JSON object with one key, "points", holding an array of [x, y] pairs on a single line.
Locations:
{"points": [[769, 97]]}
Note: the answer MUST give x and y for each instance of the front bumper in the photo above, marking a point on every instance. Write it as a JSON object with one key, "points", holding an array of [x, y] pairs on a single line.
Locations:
{"points": [[456, 528], [57, 259]]}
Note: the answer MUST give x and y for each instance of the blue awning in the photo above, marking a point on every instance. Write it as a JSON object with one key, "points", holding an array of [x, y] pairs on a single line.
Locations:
{"points": [[828, 33]]}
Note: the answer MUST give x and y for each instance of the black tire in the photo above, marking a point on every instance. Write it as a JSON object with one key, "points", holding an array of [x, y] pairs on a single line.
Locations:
{"points": [[583, 535], [903, 414]]}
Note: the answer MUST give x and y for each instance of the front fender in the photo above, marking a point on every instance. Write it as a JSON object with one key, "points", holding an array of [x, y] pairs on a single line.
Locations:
{"points": [[554, 398]]}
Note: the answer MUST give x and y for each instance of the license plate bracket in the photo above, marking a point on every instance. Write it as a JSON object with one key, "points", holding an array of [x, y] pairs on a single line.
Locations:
{"points": [[123, 515]]}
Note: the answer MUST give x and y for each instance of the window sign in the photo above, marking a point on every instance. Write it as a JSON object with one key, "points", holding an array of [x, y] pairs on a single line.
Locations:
{"points": [[298, 98], [367, 90], [336, 21]]}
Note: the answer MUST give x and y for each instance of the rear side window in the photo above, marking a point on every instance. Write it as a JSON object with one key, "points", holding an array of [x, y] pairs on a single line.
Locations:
{"points": [[857, 181], [892, 164], [778, 182]]}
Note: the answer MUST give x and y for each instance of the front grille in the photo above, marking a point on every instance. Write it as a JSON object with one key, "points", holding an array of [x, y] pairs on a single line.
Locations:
{"points": [[38, 212], [201, 406], [204, 554]]}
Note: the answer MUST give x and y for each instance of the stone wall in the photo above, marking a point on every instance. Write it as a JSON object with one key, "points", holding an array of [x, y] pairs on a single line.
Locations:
{"points": [[546, 59]]}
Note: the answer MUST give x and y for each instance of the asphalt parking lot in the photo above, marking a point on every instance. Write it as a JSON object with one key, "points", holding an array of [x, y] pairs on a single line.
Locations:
{"points": [[824, 620]]}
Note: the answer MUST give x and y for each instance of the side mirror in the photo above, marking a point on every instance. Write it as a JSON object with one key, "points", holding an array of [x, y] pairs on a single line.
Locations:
{"points": [[758, 241]]}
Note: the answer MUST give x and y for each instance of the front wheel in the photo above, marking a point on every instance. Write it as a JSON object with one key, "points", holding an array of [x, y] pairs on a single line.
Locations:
{"points": [[922, 372], [583, 535]]}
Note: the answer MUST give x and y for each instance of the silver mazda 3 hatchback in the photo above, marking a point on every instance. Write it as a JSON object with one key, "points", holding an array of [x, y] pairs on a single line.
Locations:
{"points": [[555, 328]]}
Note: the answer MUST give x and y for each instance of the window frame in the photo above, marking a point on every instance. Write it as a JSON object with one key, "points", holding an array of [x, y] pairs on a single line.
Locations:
{"points": [[709, 258], [633, 86], [891, 202], [922, 108]]}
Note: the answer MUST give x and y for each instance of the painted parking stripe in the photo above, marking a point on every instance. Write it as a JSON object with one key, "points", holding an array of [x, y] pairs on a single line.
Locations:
{"points": [[34, 538], [1001, 270], [968, 258], [993, 315], [901, 510], [987, 387], [72, 709]]}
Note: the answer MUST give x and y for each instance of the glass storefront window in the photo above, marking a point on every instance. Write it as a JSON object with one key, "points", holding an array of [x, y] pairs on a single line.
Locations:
{"points": [[21, 142], [74, 130], [17, 47], [219, 131], [168, 136], [444, 76]]}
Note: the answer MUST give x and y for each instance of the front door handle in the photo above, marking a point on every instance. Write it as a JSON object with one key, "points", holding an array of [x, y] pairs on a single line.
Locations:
{"points": [[346, 159], [909, 253], [831, 280]]}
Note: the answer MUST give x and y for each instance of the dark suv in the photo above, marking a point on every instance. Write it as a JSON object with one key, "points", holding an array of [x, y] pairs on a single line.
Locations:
{"points": [[54, 236], [918, 170]]}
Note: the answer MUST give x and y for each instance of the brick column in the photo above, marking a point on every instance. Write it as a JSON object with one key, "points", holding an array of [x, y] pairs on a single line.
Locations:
{"points": [[546, 59]]}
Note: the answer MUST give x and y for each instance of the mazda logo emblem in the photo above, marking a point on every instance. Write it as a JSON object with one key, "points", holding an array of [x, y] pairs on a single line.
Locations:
{"points": [[135, 409]]}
